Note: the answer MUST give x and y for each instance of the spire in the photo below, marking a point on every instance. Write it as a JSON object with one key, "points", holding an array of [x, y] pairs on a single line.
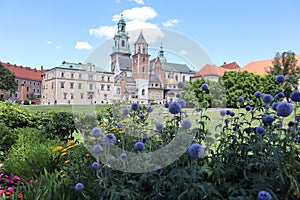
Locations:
{"points": [[161, 54], [141, 39], [121, 25]]}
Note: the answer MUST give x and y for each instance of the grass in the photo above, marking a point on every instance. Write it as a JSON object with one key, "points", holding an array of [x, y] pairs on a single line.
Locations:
{"points": [[68, 108]]}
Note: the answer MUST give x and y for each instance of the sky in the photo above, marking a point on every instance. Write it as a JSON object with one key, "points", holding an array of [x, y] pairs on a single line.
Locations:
{"points": [[38, 33]]}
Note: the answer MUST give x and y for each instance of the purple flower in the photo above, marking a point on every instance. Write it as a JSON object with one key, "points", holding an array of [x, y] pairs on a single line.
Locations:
{"points": [[186, 124], [291, 123], [96, 132], [135, 106], [241, 99], [123, 156], [274, 106], [182, 103], [95, 165], [79, 187], [119, 125], [139, 146], [159, 126], [150, 108], [222, 113], [228, 112], [295, 96], [166, 105], [284, 109], [109, 139], [263, 195], [178, 95], [260, 130], [126, 111], [196, 150], [226, 121], [198, 109], [267, 98], [204, 86], [279, 95], [174, 108], [142, 116], [268, 119], [257, 94], [248, 108], [280, 79], [97, 149], [180, 84], [232, 114]]}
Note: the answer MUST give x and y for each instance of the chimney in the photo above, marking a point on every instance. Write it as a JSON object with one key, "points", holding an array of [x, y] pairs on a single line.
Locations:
{"points": [[42, 67], [224, 63]]}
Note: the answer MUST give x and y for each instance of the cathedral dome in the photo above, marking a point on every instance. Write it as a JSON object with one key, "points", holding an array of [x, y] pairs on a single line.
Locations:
{"points": [[171, 81]]}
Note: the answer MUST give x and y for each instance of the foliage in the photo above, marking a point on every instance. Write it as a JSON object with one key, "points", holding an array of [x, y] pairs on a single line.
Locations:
{"points": [[189, 95], [30, 154], [7, 79], [7, 139], [10, 185], [286, 64]]}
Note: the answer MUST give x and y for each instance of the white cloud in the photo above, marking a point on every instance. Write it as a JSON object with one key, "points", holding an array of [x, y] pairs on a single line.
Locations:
{"points": [[138, 1], [183, 52], [137, 13], [83, 45], [118, 1], [170, 23], [58, 47], [106, 31], [49, 42]]}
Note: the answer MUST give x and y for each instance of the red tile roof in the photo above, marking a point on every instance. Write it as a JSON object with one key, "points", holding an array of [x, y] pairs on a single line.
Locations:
{"points": [[213, 70], [232, 65], [25, 72]]}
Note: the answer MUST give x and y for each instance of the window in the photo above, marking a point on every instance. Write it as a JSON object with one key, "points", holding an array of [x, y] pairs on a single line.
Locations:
{"points": [[72, 96], [176, 77], [24, 82], [27, 89], [143, 69], [65, 95], [102, 78], [108, 87], [72, 75], [91, 86], [183, 79], [144, 59], [62, 84], [108, 78], [105, 96], [118, 91], [90, 77], [38, 90], [38, 84], [62, 74], [143, 92], [33, 83], [102, 87], [79, 85], [123, 43], [71, 85], [81, 95], [80, 76], [52, 85], [34, 90]]}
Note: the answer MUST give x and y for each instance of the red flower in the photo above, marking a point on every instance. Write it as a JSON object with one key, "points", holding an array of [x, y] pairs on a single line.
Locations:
{"points": [[20, 196]]}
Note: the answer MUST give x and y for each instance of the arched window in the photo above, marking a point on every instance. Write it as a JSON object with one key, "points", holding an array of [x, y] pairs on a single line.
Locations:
{"points": [[143, 92], [183, 79], [118, 91]]}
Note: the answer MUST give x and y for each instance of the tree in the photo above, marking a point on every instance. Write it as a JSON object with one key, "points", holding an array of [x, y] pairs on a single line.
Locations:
{"points": [[189, 95], [7, 80], [286, 64]]}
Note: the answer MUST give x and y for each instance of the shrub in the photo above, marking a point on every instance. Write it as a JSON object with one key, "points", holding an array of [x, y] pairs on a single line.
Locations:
{"points": [[7, 139]]}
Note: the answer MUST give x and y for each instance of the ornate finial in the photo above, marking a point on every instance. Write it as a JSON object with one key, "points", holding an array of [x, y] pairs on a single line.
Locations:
{"points": [[121, 15]]}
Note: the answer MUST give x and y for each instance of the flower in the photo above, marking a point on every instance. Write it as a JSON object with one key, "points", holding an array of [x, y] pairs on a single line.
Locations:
{"points": [[56, 149], [280, 79], [126, 111], [142, 116], [260, 130], [263, 195], [274, 106], [284, 109], [166, 105], [135, 106], [291, 123], [123, 155], [279, 95], [267, 98], [96, 132], [248, 108], [186, 124], [97, 149], [204, 86], [228, 112], [196, 150], [95, 165], [226, 121], [159, 126], [268, 119], [180, 84], [120, 125], [295, 96], [150, 108], [182, 103], [109, 139], [174, 108], [178, 95], [222, 113], [20, 196], [232, 114], [257, 94], [241, 99], [79, 187], [198, 109], [139, 146]]}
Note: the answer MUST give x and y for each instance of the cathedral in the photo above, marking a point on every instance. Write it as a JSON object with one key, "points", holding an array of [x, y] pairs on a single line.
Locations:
{"points": [[139, 78]]}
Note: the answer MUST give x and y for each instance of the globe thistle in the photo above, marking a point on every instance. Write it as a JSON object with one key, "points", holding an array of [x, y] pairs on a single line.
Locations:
{"points": [[222, 113], [257, 94], [284, 109], [263, 195], [268, 119], [123, 155], [135, 106], [234, 128], [180, 84], [174, 108], [198, 109], [267, 98], [291, 123], [295, 96], [248, 108], [120, 125], [149, 108], [182, 103], [159, 126], [204, 86], [226, 121], [228, 112], [279, 95], [79, 187], [280, 79], [260, 130], [109, 139], [166, 105], [178, 95], [274, 106], [232, 114], [95, 165], [97, 149], [142, 116], [126, 111], [96, 132], [196, 150], [241, 99], [139, 146], [186, 124]]}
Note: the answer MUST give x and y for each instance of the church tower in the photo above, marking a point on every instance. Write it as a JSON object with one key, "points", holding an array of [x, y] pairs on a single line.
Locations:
{"points": [[120, 55]]}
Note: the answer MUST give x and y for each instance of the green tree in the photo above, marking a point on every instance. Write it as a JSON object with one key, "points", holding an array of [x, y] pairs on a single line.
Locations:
{"points": [[189, 95], [7, 80], [286, 64]]}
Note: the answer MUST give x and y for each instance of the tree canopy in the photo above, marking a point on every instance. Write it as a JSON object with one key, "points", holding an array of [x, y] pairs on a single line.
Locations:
{"points": [[7, 79]]}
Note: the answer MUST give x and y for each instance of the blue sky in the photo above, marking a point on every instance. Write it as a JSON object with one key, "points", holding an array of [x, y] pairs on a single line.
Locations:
{"points": [[35, 33]]}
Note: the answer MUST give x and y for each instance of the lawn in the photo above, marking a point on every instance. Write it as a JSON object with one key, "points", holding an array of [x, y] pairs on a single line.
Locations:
{"points": [[68, 108]]}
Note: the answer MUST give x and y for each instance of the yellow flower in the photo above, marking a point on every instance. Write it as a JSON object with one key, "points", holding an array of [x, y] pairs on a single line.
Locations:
{"points": [[123, 121], [64, 153], [103, 125], [62, 171], [74, 145], [62, 175], [56, 149], [65, 150], [67, 161], [112, 129], [87, 155], [70, 142]]}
